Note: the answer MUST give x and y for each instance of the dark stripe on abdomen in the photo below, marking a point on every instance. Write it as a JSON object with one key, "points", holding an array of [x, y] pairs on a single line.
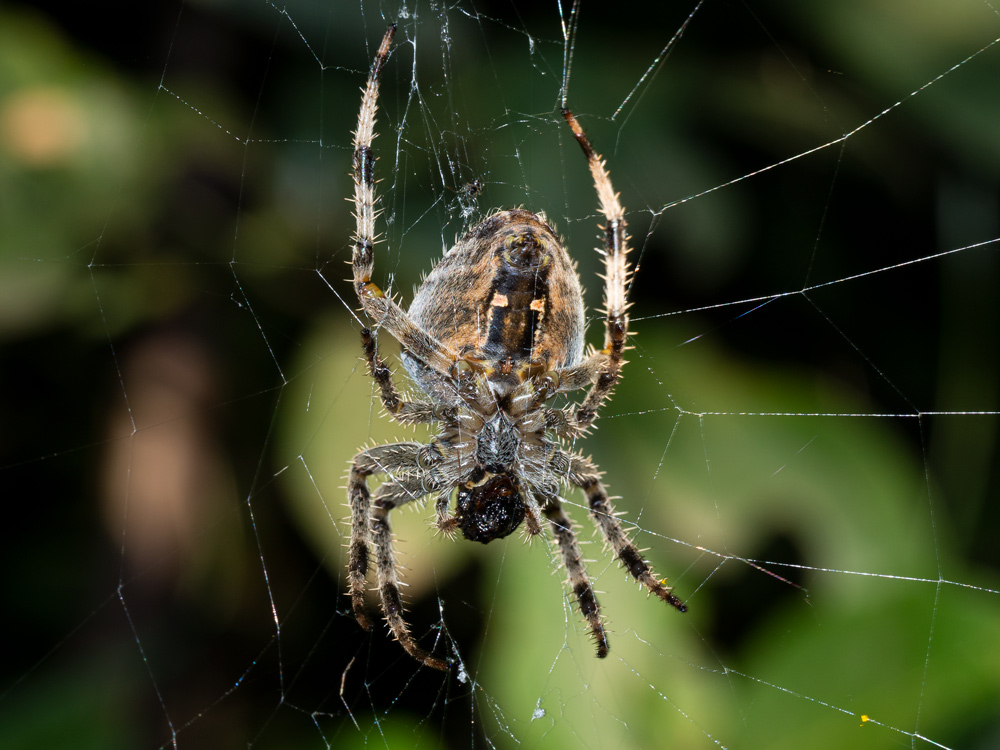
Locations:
{"points": [[513, 323]]}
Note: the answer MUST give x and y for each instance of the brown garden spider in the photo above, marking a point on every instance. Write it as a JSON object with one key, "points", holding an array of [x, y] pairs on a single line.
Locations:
{"points": [[494, 331]]}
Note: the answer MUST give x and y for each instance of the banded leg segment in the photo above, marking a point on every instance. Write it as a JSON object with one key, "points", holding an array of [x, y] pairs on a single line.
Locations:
{"points": [[607, 362], [384, 311], [364, 158], [405, 412], [578, 579], [584, 475], [359, 499], [382, 459], [388, 588]]}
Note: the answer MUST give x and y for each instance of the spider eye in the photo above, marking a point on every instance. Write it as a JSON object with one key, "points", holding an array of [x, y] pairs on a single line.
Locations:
{"points": [[490, 510]]}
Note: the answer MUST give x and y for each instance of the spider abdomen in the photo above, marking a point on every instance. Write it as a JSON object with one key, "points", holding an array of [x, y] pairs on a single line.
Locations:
{"points": [[507, 295]]}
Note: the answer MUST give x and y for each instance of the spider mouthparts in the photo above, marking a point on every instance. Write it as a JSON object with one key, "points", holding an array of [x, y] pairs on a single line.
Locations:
{"points": [[490, 510]]}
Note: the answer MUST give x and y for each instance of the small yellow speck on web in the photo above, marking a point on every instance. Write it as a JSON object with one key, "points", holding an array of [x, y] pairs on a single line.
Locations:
{"points": [[864, 720]]}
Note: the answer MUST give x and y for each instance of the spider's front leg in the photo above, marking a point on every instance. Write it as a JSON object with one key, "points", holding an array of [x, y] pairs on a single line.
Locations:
{"points": [[382, 459], [578, 579], [585, 475], [388, 587], [371, 524]]}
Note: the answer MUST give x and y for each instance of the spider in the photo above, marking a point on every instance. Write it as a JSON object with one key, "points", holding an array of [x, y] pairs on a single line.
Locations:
{"points": [[493, 333]]}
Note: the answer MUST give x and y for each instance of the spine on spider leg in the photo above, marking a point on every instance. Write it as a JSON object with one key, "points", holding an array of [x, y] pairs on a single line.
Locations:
{"points": [[380, 373], [616, 277], [626, 552], [357, 567], [364, 176], [392, 600]]}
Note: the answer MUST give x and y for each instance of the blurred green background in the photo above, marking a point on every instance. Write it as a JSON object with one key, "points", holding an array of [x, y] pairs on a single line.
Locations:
{"points": [[808, 449]]}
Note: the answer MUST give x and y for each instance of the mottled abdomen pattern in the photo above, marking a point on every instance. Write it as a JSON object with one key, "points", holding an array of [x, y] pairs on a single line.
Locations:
{"points": [[506, 294]]}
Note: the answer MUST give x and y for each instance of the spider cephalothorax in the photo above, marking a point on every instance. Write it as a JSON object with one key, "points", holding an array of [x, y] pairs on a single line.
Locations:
{"points": [[490, 506], [493, 333]]}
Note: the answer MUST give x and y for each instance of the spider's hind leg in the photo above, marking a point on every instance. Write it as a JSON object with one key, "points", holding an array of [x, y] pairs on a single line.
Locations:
{"points": [[606, 364], [381, 308]]}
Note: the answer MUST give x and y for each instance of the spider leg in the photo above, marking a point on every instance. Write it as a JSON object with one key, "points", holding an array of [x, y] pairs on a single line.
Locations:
{"points": [[384, 311], [583, 474], [446, 523], [413, 477], [359, 499], [405, 412], [388, 587], [564, 423], [383, 459], [578, 579], [604, 367], [405, 488]]}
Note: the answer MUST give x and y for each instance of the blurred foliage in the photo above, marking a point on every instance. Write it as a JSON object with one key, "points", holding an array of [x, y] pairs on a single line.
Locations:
{"points": [[182, 387]]}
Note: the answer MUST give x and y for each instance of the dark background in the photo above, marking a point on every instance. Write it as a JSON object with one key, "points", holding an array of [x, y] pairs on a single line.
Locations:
{"points": [[172, 231]]}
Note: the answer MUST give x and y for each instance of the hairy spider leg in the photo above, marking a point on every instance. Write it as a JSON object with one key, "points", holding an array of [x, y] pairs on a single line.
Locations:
{"points": [[603, 369], [404, 412], [583, 474], [383, 310], [371, 525], [577, 572], [388, 588], [382, 459]]}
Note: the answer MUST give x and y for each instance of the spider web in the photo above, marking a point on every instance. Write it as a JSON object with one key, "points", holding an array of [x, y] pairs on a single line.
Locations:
{"points": [[805, 439]]}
